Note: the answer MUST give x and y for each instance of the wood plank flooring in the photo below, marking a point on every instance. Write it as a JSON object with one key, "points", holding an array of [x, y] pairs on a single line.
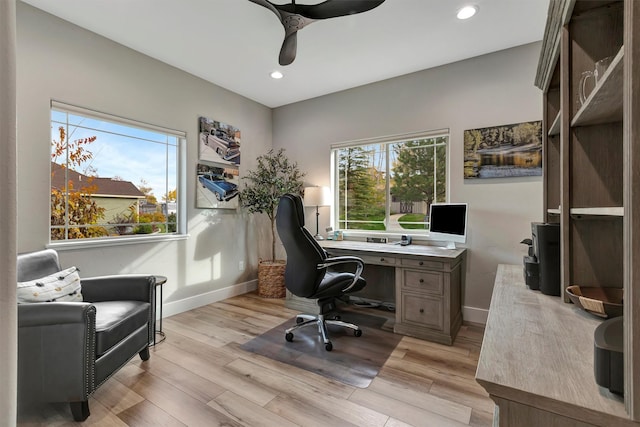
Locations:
{"points": [[199, 376]]}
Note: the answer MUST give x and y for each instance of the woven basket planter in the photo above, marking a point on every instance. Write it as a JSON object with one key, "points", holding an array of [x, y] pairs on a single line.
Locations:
{"points": [[271, 279]]}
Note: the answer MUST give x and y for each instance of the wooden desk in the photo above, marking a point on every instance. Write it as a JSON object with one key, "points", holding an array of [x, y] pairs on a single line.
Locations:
{"points": [[536, 360], [428, 284]]}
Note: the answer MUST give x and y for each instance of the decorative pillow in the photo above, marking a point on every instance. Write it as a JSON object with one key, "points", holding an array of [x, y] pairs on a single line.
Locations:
{"points": [[61, 286]]}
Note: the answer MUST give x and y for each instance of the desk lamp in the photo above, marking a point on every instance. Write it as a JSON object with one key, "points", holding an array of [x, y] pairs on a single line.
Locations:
{"points": [[317, 196]]}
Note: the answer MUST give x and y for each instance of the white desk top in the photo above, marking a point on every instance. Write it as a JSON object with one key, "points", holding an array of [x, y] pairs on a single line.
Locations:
{"points": [[390, 248]]}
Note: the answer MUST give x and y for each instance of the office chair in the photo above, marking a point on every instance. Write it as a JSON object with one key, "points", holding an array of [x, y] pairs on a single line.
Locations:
{"points": [[307, 274]]}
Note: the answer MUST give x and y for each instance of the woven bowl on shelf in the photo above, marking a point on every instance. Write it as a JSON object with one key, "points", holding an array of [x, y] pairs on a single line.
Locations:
{"points": [[601, 302]]}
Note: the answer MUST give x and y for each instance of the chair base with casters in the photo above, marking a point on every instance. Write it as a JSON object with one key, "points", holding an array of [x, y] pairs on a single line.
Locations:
{"points": [[321, 322]]}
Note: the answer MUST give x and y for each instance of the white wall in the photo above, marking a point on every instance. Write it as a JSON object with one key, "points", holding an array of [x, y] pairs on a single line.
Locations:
{"points": [[57, 60], [8, 216], [493, 89]]}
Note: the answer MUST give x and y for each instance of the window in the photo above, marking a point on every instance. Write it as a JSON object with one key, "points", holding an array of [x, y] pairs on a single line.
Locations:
{"points": [[389, 184], [111, 177]]}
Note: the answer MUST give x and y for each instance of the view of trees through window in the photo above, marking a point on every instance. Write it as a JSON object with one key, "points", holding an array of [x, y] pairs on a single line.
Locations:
{"points": [[110, 179], [390, 186]]}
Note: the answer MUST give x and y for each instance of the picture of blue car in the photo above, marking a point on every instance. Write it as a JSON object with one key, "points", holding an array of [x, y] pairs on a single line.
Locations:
{"points": [[222, 189]]}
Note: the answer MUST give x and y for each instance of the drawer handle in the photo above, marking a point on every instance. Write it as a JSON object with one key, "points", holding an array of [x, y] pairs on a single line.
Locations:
{"points": [[422, 310], [421, 263], [381, 259], [421, 280]]}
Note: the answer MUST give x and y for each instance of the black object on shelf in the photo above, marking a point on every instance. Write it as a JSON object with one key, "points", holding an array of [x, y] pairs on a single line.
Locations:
{"points": [[529, 243], [608, 366], [541, 267], [531, 272], [530, 266], [546, 247]]}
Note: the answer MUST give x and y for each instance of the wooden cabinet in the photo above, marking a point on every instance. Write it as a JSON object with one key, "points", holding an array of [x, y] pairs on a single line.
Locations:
{"points": [[583, 141], [591, 159], [428, 298]]}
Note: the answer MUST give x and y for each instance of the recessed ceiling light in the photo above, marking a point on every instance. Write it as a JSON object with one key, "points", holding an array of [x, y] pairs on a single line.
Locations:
{"points": [[276, 75], [467, 12]]}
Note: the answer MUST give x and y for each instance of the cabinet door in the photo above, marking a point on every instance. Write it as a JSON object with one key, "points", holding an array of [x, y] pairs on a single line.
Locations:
{"points": [[422, 310], [430, 282]]}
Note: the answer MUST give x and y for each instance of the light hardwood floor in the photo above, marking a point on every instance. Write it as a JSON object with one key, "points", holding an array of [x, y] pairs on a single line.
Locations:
{"points": [[199, 376]]}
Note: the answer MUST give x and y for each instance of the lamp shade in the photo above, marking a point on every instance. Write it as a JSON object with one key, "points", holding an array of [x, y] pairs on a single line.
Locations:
{"points": [[317, 196]]}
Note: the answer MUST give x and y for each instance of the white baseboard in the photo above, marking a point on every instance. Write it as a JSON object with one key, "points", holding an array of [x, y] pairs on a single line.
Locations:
{"points": [[475, 315], [186, 304]]}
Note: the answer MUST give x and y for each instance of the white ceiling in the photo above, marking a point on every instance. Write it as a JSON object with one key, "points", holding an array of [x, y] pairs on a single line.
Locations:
{"points": [[235, 43]]}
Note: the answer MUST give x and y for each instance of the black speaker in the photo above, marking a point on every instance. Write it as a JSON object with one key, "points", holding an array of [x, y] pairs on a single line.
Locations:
{"points": [[546, 248]]}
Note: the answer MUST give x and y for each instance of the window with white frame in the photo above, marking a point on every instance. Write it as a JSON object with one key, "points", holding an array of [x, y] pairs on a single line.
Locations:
{"points": [[388, 184], [111, 177]]}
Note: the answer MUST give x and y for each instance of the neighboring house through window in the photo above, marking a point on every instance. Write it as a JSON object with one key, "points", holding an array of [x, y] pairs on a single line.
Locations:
{"points": [[388, 184], [111, 177]]}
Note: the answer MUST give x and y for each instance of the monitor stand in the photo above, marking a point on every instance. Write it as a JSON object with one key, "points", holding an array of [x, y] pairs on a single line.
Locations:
{"points": [[450, 245]]}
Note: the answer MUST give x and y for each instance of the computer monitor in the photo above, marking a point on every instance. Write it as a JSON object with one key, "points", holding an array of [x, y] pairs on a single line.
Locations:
{"points": [[448, 223]]}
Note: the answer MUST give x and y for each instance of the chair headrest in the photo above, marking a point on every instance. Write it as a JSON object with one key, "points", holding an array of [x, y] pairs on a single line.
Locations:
{"points": [[291, 206]]}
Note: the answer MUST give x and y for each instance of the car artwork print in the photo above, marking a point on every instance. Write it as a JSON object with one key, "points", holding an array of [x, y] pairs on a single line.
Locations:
{"points": [[217, 187], [218, 170], [218, 142]]}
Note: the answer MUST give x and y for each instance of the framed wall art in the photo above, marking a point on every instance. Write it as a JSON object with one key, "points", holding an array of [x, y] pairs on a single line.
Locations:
{"points": [[503, 151], [218, 142], [216, 186]]}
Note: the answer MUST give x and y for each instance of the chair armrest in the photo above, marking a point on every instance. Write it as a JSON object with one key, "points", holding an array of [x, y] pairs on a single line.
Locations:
{"points": [[56, 351], [131, 287], [330, 262], [54, 313]]}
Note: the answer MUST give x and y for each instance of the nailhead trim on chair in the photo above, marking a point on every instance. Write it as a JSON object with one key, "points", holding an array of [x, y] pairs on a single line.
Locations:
{"points": [[90, 354]]}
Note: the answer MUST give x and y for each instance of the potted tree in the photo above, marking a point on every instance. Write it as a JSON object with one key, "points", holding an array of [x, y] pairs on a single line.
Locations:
{"points": [[274, 176]]}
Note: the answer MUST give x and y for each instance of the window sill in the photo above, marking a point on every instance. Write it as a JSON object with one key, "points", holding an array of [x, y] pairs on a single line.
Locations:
{"points": [[117, 241]]}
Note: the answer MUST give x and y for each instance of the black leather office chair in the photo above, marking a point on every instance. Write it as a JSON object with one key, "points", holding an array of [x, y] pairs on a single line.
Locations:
{"points": [[307, 273], [66, 350]]}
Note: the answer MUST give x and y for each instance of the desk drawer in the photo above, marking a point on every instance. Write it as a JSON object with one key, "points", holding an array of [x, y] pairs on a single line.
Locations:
{"points": [[424, 281], [379, 260], [420, 263], [422, 311]]}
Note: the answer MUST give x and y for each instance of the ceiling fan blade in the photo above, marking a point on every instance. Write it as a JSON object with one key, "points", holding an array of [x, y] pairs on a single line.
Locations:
{"points": [[331, 8], [267, 4], [288, 49]]}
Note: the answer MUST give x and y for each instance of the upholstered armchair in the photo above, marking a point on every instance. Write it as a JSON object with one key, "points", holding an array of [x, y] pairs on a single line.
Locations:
{"points": [[66, 350]]}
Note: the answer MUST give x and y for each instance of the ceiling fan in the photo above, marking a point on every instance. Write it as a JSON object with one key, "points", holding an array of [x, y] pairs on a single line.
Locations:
{"points": [[294, 17]]}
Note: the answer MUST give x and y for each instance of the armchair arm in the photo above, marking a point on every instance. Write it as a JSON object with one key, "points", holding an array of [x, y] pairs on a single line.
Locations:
{"points": [[133, 287], [329, 262], [53, 313], [56, 351]]}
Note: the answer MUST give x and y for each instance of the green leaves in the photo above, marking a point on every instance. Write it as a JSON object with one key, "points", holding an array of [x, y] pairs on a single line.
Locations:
{"points": [[274, 176]]}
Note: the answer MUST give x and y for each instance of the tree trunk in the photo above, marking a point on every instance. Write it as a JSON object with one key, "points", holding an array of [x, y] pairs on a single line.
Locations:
{"points": [[273, 238]]}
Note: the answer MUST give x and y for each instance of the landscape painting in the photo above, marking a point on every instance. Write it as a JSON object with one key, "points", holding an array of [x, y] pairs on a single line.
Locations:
{"points": [[503, 151], [218, 142], [217, 187]]}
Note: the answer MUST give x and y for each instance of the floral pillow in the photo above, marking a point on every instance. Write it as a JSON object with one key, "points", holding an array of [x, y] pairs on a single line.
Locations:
{"points": [[61, 286]]}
